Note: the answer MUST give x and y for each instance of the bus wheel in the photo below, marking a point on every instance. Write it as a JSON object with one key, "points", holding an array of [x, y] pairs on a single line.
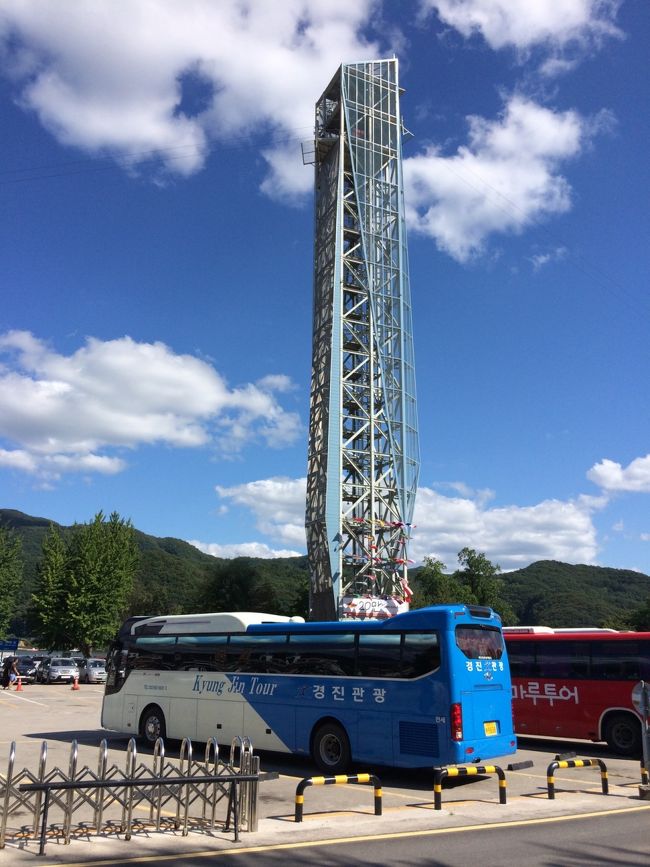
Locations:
{"points": [[623, 734], [152, 725], [331, 748]]}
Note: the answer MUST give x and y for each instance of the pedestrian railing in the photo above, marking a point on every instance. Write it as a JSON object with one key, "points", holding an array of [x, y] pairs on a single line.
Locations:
{"points": [[182, 795]]}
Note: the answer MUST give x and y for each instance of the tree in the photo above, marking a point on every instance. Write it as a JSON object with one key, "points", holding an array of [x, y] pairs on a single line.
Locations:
{"points": [[11, 572], [85, 582], [49, 599], [481, 577], [477, 582], [640, 619], [436, 587]]}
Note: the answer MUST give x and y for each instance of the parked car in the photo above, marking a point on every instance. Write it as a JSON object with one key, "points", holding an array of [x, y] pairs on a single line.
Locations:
{"points": [[27, 667], [92, 670], [57, 669]]}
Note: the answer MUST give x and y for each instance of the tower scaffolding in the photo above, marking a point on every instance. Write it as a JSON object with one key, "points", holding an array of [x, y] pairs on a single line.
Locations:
{"points": [[363, 441]]}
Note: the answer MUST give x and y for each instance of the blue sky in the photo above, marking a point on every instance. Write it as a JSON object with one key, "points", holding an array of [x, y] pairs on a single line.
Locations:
{"points": [[156, 245]]}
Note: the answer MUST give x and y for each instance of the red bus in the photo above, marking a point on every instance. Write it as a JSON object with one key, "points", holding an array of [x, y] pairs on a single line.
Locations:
{"points": [[578, 684]]}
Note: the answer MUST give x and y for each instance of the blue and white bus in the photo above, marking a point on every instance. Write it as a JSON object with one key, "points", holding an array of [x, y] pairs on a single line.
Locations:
{"points": [[428, 687]]}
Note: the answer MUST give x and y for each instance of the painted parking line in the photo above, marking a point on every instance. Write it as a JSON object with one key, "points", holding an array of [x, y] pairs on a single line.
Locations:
{"points": [[366, 838], [12, 696]]}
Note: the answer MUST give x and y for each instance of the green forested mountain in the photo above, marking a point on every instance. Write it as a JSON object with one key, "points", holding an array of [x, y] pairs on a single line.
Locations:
{"points": [[175, 577], [558, 594]]}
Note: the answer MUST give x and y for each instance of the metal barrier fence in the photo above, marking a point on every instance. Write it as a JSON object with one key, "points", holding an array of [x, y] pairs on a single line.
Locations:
{"points": [[439, 775], [189, 791], [576, 763], [339, 779]]}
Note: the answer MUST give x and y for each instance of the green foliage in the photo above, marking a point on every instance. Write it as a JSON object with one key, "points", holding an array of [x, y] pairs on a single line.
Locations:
{"points": [[246, 584], [477, 582], [31, 532], [640, 619], [173, 577], [84, 583], [49, 600], [11, 569], [167, 583], [550, 593], [434, 586]]}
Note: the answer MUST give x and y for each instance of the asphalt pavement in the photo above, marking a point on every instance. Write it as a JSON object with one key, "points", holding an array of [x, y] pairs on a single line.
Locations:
{"points": [[58, 715]]}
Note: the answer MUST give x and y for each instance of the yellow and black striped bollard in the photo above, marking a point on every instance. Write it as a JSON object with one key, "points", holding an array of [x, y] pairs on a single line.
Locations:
{"points": [[339, 779], [439, 775], [575, 763]]}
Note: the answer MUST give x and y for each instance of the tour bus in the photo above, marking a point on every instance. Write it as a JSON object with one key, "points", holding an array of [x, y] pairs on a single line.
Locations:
{"points": [[428, 687], [578, 684]]}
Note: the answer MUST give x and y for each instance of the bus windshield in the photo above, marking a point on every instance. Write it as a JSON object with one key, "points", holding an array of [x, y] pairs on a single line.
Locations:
{"points": [[480, 642]]}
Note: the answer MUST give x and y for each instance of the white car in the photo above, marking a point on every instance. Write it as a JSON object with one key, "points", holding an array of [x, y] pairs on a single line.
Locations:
{"points": [[58, 669], [92, 670]]}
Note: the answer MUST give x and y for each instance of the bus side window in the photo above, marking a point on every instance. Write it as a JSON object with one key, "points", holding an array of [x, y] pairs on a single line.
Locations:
{"points": [[421, 654], [312, 653], [644, 661], [555, 659], [200, 652], [379, 654], [566, 660], [239, 654], [153, 653], [522, 659], [269, 654], [613, 660]]}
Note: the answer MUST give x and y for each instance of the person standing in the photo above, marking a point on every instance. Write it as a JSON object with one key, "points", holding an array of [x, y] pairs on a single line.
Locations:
{"points": [[10, 672]]}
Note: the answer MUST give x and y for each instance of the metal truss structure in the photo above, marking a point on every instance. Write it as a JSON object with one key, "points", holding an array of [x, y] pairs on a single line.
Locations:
{"points": [[363, 441]]}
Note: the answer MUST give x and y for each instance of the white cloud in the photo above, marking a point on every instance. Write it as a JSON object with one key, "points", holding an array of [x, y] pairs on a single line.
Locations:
{"points": [[278, 505], [116, 78], [513, 536], [62, 411], [482, 496], [574, 26], [111, 76], [242, 549], [18, 459], [540, 259], [504, 180], [611, 476]]}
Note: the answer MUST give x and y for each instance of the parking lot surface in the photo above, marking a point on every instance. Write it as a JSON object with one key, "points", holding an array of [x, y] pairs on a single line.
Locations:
{"points": [[59, 715]]}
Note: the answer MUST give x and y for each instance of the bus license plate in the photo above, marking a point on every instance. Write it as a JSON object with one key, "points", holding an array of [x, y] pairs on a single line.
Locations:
{"points": [[490, 728]]}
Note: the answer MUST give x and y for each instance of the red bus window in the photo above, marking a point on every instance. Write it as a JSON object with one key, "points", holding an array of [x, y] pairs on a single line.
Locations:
{"points": [[563, 659], [621, 660]]}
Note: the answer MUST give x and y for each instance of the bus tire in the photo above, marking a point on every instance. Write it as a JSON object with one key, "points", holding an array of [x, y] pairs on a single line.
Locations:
{"points": [[330, 748], [623, 734], [152, 725]]}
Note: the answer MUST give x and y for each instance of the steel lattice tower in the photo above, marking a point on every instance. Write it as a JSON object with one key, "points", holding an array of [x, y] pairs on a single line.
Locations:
{"points": [[363, 441]]}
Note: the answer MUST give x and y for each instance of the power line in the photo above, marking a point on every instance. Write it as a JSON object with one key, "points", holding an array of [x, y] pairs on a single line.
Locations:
{"points": [[139, 158], [574, 259]]}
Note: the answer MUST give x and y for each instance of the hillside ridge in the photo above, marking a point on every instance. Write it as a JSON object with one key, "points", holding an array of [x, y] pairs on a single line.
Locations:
{"points": [[174, 577]]}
